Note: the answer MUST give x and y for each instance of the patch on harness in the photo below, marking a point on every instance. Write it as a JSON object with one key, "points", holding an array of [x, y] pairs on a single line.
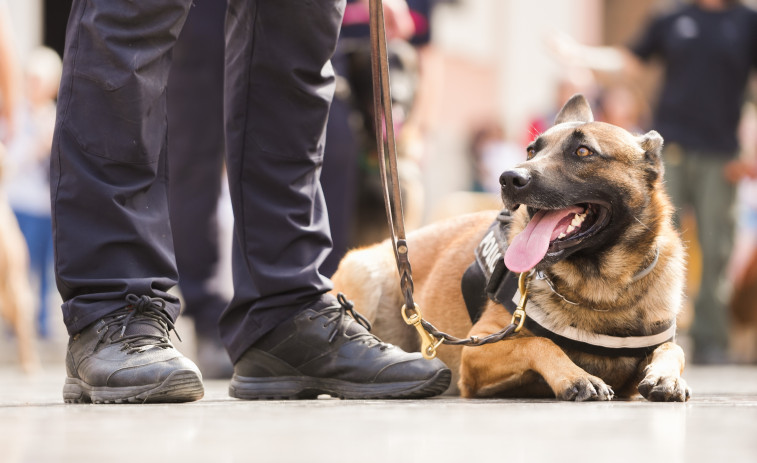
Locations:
{"points": [[487, 277]]}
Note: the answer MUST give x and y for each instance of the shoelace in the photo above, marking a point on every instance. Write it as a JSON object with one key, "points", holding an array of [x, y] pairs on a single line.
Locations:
{"points": [[336, 314], [141, 310]]}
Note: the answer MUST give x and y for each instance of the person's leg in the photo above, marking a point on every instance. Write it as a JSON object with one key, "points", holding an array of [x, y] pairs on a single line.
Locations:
{"points": [[108, 179], [279, 85], [36, 231], [676, 180], [340, 170], [286, 337], [46, 277], [195, 164], [714, 208], [113, 251]]}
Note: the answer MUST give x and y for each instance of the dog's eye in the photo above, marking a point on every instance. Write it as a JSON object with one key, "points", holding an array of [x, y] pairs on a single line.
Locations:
{"points": [[583, 151], [530, 153]]}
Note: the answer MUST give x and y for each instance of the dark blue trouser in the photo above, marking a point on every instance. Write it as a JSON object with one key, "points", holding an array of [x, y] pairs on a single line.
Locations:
{"points": [[109, 176], [195, 162], [340, 172]]}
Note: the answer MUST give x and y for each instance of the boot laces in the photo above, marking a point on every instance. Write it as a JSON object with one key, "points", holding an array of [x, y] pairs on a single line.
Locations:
{"points": [[337, 315], [149, 323]]}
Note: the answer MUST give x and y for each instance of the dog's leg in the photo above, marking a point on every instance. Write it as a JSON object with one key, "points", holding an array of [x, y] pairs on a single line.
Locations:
{"points": [[517, 364], [662, 381]]}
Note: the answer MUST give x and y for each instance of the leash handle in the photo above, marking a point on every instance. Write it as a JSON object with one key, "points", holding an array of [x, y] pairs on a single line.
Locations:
{"points": [[387, 149], [430, 337]]}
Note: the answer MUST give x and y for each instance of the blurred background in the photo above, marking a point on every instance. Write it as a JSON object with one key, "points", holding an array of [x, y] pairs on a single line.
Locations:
{"points": [[487, 61], [477, 81]]}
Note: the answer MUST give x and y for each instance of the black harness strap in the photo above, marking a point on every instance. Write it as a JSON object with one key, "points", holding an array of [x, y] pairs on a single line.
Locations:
{"points": [[487, 278]]}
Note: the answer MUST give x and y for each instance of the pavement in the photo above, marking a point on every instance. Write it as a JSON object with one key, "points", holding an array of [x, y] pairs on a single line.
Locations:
{"points": [[718, 424]]}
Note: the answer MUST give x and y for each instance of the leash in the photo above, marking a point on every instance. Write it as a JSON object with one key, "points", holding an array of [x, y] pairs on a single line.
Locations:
{"points": [[430, 337]]}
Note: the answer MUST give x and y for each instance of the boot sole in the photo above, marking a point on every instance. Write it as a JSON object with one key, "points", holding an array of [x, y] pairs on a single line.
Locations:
{"points": [[180, 386], [305, 387]]}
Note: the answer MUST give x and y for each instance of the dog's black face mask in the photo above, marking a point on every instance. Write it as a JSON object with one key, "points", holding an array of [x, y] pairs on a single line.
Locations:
{"points": [[582, 185]]}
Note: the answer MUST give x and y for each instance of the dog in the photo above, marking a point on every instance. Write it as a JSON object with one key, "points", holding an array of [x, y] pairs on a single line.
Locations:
{"points": [[587, 220], [16, 299]]}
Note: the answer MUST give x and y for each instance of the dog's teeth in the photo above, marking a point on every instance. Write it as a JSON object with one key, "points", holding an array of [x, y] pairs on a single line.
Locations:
{"points": [[561, 236], [578, 220], [570, 228]]}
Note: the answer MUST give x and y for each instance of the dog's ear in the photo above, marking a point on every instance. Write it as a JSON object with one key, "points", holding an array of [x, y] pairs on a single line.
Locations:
{"points": [[651, 142], [575, 110]]}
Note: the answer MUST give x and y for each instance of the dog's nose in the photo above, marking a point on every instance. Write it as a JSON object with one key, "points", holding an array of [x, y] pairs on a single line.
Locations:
{"points": [[515, 180]]}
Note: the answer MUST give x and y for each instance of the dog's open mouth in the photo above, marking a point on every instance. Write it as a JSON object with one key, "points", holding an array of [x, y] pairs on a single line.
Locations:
{"points": [[551, 231]]}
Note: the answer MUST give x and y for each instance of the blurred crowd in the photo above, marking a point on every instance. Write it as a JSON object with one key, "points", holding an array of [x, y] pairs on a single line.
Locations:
{"points": [[608, 77], [29, 87]]}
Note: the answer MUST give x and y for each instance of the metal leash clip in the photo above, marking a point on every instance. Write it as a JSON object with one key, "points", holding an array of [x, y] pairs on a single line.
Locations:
{"points": [[519, 316], [428, 342]]}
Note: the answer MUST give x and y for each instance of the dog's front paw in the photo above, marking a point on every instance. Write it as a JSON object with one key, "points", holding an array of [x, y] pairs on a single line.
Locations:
{"points": [[585, 388], [664, 388]]}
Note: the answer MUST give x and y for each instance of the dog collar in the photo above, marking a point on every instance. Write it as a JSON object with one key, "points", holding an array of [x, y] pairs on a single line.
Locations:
{"points": [[638, 276], [646, 271], [487, 278]]}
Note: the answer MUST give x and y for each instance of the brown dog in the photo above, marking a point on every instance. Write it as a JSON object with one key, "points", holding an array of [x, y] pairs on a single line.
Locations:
{"points": [[16, 300], [591, 226]]}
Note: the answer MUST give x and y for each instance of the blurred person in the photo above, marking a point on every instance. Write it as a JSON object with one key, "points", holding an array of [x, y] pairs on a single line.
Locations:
{"points": [[16, 296], [10, 78], [350, 177], [115, 265], [27, 181], [492, 154], [622, 104], [709, 48], [195, 162], [743, 264], [571, 81], [742, 268], [743, 173]]}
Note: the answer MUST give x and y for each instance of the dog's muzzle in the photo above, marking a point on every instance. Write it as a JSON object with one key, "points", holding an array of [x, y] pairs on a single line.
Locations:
{"points": [[514, 183]]}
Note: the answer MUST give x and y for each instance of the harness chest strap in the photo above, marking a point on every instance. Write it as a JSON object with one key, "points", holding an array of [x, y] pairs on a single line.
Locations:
{"points": [[488, 278]]}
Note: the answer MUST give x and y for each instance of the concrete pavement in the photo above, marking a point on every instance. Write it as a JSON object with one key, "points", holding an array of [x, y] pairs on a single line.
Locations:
{"points": [[718, 424]]}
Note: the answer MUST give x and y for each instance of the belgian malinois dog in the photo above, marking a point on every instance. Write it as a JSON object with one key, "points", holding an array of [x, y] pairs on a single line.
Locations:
{"points": [[586, 218]]}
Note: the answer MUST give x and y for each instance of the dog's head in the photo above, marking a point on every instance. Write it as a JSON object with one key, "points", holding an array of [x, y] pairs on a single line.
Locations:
{"points": [[583, 186]]}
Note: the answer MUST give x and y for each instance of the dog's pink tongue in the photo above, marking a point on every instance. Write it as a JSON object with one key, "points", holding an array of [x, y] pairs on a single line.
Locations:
{"points": [[529, 246]]}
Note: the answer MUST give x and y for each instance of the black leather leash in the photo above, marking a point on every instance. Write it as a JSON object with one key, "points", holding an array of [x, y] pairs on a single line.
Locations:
{"points": [[431, 338], [387, 149]]}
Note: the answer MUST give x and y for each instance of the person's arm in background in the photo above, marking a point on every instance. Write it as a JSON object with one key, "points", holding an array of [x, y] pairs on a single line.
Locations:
{"points": [[627, 60], [10, 76], [597, 58]]}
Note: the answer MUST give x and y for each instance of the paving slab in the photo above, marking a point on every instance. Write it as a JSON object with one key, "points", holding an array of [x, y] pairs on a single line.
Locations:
{"points": [[719, 424]]}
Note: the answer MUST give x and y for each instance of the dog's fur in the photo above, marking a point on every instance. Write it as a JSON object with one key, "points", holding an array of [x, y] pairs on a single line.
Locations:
{"points": [[16, 300], [624, 173]]}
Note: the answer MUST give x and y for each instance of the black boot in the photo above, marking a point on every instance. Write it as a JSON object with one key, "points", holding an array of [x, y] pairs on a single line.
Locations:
{"points": [[327, 349], [127, 357]]}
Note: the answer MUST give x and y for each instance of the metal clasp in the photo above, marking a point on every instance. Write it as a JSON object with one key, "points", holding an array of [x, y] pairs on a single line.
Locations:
{"points": [[519, 316], [428, 342]]}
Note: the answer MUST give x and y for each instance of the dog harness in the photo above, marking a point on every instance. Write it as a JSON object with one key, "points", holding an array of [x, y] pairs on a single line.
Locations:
{"points": [[487, 278]]}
